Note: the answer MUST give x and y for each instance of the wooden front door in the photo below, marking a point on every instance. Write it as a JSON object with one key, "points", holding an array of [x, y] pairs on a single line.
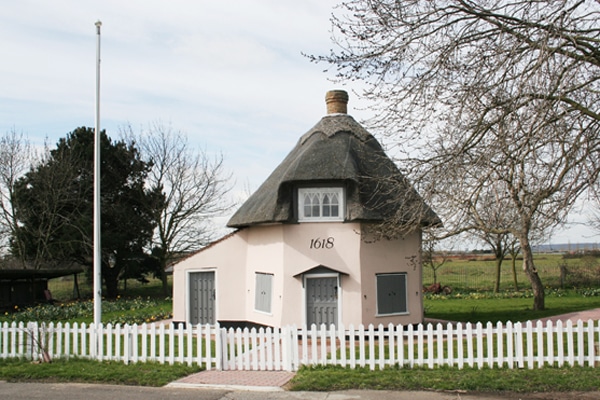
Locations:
{"points": [[321, 301]]}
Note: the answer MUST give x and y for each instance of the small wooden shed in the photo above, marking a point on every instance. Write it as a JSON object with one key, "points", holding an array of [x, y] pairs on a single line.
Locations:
{"points": [[20, 287]]}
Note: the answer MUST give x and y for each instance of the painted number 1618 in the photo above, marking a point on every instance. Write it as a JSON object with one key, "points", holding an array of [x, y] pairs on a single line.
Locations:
{"points": [[319, 243]]}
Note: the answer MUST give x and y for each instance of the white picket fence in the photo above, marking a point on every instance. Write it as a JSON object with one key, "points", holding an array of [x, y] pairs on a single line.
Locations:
{"points": [[510, 345]]}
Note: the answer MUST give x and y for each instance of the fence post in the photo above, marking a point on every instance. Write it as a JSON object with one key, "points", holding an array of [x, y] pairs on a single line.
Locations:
{"points": [[93, 343], [570, 344], [99, 342], [287, 344], [126, 344], [30, 340], [591, 344], [540, 343], [519, 355], [224, 365], [218, 348], [285, 349]]}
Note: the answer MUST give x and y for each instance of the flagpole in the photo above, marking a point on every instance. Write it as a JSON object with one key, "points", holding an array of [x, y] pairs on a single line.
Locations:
{"points": [[97, 244]]}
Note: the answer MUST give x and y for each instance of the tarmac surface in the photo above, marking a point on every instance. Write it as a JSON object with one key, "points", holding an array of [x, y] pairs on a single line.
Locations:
{"points": [[62, 391]]}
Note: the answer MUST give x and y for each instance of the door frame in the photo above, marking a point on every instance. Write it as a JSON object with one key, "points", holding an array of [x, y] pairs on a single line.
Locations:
{"points": [[188, 309], [339, 294]]}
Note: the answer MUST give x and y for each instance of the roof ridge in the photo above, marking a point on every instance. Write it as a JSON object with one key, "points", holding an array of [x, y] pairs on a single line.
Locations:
{"points": [[331, 124]]}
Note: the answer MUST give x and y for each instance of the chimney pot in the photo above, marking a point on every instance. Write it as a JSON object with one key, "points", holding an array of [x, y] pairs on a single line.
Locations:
{"points": [[337, 102]]}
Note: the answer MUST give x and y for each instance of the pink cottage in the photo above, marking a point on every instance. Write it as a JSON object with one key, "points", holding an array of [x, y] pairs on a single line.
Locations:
{"points": [[301, 252]]}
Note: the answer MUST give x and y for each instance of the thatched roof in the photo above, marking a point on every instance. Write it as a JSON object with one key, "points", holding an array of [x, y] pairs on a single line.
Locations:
{"points": [[337, 150]]}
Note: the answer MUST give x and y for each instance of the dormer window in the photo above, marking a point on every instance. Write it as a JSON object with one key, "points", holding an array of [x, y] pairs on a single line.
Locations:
{"points": [[320, 204]]}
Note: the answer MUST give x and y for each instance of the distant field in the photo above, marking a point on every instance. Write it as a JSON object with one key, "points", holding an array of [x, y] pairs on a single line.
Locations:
{"points": [[63, 288], [471, 272], [477, 272]]}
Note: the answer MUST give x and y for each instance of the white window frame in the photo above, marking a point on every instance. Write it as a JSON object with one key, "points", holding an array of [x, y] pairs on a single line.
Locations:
{"points": [[262, 278], [320, 192], [404, 289]]}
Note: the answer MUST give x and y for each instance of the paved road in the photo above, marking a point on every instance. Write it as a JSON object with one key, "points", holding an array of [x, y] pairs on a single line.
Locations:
{"points": [[62, 391]]}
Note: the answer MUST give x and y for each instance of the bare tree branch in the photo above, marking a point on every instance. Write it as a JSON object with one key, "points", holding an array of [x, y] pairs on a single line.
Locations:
{"points": [[489, 104], [16, 157], [195, 186]]}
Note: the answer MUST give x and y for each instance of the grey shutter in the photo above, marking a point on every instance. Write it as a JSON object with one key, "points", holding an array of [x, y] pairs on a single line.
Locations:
{"points": [[391, 294], [263, 294]]}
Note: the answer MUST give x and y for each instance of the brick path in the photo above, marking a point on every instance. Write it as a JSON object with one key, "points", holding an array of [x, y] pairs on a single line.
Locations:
{"points": [[247, 380]]}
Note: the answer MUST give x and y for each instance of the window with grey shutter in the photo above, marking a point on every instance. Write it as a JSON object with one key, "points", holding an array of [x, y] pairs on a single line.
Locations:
{"points": [[262, 296], [391, 294]]}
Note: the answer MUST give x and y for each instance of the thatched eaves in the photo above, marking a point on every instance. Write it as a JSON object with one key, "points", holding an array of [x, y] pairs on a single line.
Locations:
{"points": [[336, 151]]}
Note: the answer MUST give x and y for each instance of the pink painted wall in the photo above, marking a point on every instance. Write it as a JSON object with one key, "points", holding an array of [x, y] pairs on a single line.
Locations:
{"points": [[288, 250], [387, 256], [332, 244], [227, 258]]}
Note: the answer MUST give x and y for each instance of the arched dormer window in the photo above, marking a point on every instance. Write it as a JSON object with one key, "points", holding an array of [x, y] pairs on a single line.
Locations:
{"points": [[320, 204]]}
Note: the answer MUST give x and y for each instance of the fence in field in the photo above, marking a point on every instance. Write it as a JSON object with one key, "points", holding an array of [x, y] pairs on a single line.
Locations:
{"points": [[480, 275], [510, 345]]}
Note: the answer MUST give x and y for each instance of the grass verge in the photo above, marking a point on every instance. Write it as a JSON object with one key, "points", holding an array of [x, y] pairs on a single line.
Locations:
{"points": [[88, 371], [549, 379]]}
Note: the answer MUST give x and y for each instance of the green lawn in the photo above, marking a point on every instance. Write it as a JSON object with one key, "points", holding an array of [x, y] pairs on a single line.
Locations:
{"points": [[80, 370], [507, 306], [468, 379], [138, 303], [123, 310], [477, 272]]}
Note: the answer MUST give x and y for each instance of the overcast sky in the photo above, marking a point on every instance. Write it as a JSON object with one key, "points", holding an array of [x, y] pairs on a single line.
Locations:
{"points": [[230, 74]]}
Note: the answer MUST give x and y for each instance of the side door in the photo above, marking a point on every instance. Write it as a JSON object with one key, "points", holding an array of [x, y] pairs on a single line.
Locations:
{"points": [[202, 297]]}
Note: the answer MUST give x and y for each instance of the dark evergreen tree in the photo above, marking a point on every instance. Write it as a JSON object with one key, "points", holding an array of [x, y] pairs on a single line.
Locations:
{"points": [[55, 206]]}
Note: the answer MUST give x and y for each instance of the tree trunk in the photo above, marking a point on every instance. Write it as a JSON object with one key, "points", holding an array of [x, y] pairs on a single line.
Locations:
{"points": [[514, 271], [163, 278], [498, 273], [532, 275], [111, 280], [76, 294], [163, 259]]}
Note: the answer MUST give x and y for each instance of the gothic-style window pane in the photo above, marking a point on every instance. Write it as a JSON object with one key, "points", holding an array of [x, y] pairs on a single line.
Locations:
{"points": [[307, 206], [326, 206], [335, 205], [316, 212]]}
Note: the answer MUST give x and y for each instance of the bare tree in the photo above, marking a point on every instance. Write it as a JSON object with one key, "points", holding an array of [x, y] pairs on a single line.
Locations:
{"points": [[481, 94], [432, 258], [594, 217], [16, 157], [490, 216], [500, 245], [195, 186]]}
